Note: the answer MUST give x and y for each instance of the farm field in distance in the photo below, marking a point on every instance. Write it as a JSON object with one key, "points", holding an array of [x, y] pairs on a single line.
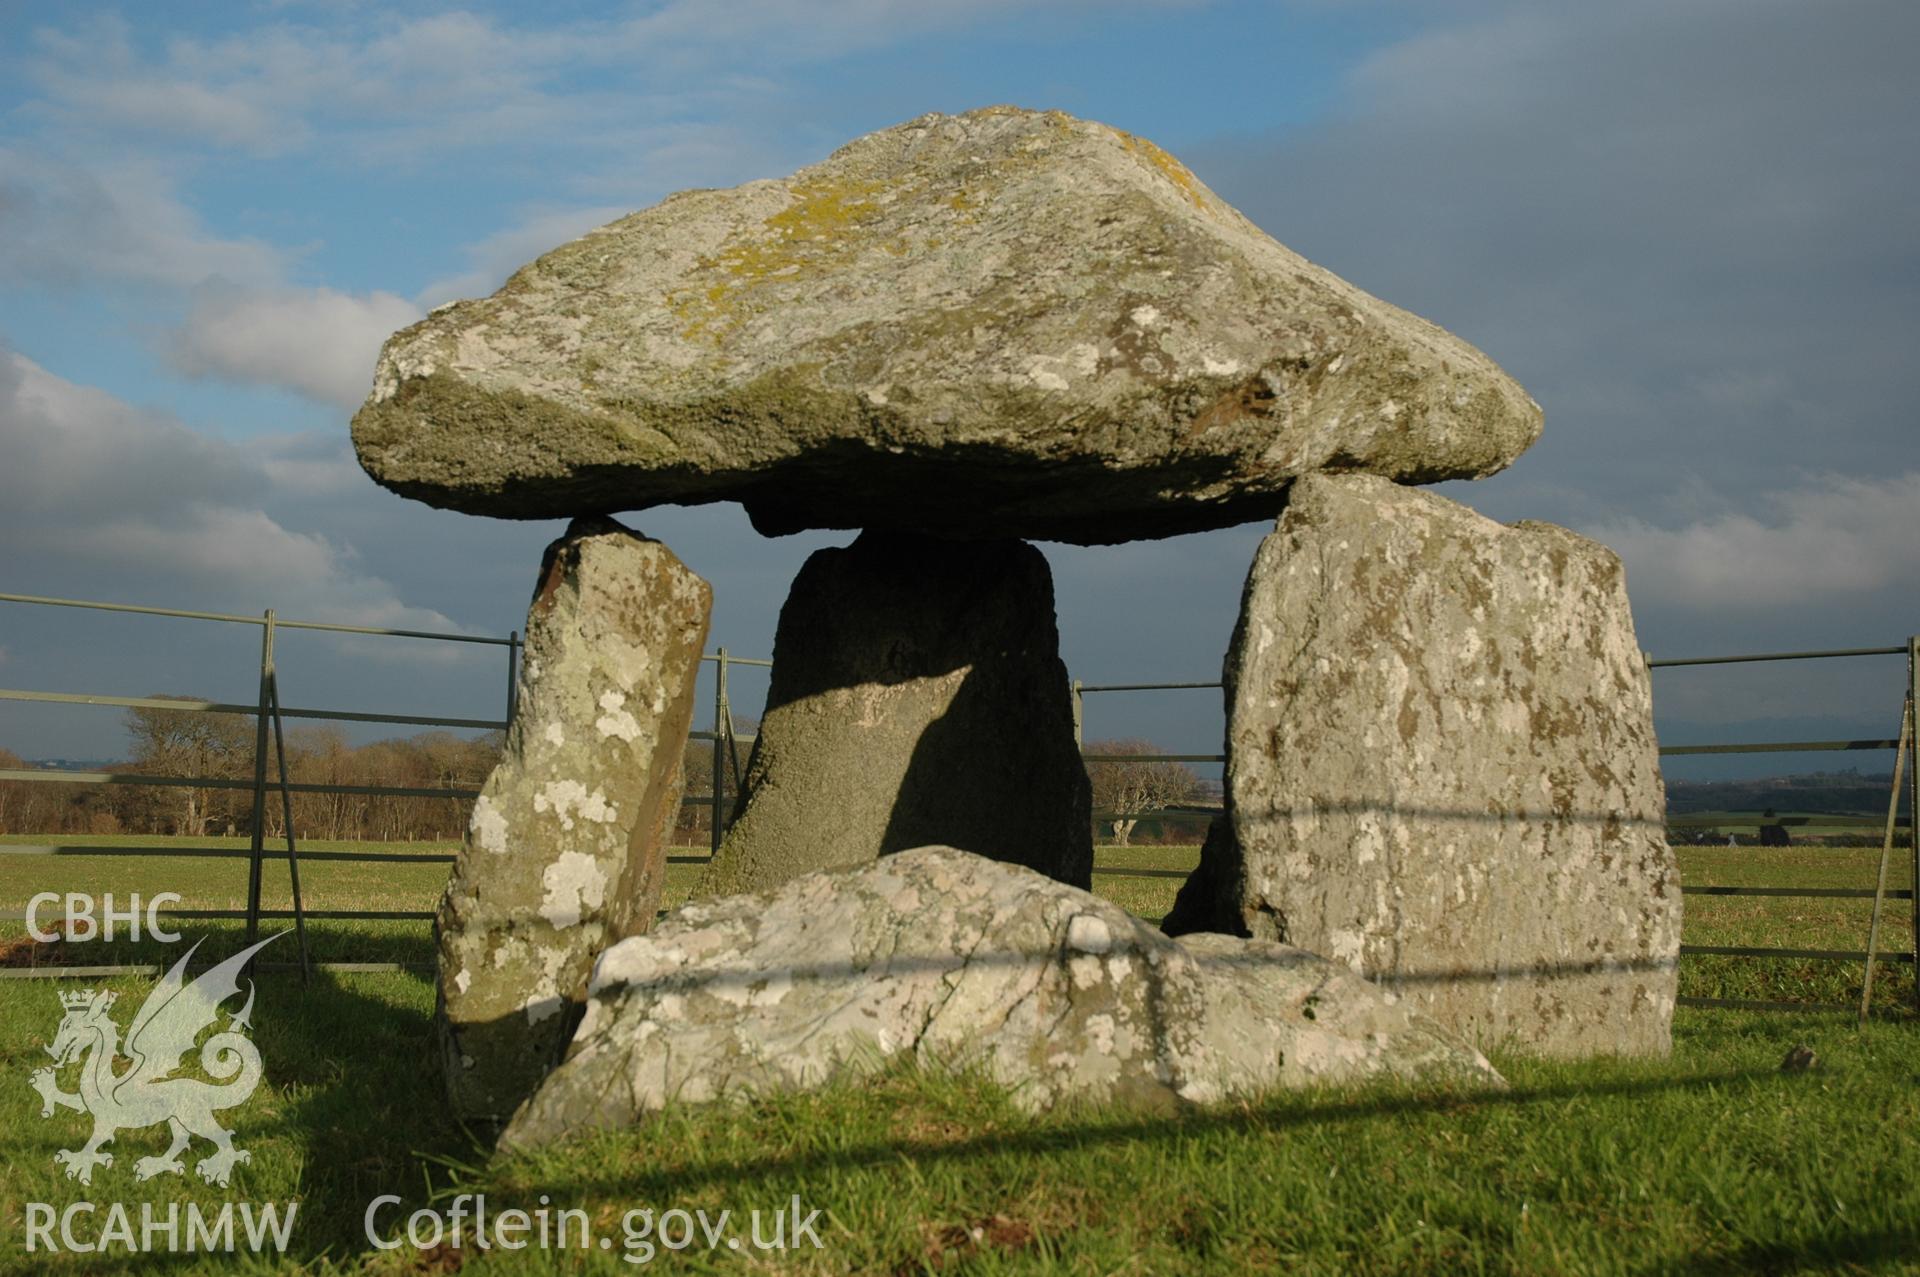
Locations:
{"points": [[1756, 921], [1712, 1161]]}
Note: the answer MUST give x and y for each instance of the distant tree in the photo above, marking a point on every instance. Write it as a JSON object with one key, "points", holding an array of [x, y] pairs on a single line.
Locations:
{"points": [[12, 793], [319, 755], [173, 742], [1124, 792]]}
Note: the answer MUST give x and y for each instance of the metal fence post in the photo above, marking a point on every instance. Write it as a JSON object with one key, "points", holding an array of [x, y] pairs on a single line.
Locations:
{"points": [[286, 817], [720, 715], [1886, 854], [1913, 800], [1079, 707], [513, 673], [260, 779]]}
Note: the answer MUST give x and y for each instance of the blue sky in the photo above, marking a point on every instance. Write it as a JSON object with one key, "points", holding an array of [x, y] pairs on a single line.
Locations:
{"points": [[1686, 229]]}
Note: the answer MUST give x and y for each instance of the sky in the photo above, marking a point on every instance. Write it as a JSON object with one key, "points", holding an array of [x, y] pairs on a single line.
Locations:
{"points": [[1688, 230]]}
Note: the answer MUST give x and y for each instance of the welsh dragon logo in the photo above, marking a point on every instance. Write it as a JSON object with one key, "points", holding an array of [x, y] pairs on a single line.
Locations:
{"points": [[164, 1030]]}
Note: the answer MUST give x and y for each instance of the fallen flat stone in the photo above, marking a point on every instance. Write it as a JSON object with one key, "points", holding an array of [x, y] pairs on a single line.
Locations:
{"points": [[1003, 323], [955, 960], [566, 849], [1442, 771], [917, 697]]}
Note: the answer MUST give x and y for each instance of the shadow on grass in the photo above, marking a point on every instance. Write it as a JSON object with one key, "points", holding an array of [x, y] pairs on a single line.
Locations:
{"points": [[1846, 1251], [350, 1107], [360, 1098], [1288, 1112]]}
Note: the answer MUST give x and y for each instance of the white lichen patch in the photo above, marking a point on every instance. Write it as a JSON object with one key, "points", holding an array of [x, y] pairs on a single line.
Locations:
{"points": [[1369, 838], [555, 734], [1045, 378], [569, 798], [616, 720], [1089, 933], [1347, 947], [574, 883], [463, 981], [488, 826], [1052, 372]]}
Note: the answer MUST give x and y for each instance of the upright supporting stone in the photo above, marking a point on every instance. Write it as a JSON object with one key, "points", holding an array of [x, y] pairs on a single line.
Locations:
{"points": [[917, 697], [566, 850], [1442, 771]]}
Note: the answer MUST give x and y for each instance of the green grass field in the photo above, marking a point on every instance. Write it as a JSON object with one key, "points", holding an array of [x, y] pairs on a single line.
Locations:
{"points": [[1712, 1161]]}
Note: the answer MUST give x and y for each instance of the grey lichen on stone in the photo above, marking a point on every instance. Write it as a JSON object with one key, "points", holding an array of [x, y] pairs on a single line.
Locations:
{"points": [[954, 960], [917, 697], [1442, 771], [1003, 323], [566, 848]]}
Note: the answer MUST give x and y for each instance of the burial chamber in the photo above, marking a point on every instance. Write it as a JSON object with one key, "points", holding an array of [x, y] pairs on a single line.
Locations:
{"points": [[957, 336]]}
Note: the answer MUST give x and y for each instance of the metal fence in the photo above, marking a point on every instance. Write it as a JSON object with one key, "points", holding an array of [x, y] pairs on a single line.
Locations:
{"points": [[1903, 746], [725, 741], [269, 715]]}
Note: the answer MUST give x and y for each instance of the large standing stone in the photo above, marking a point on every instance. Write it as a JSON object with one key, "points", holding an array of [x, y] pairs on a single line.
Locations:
{"points": [[917, 697], [1004, 323], [565, 853], [955, 960], [1442, 770]]}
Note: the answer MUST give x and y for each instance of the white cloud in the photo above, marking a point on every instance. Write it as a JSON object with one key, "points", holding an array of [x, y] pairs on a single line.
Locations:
{"points": [[457, 79], [316, 341], [124, 224], [133, 501], [641, 103], [309, 467], [120, 221], [93, 71], [1835, 538]]}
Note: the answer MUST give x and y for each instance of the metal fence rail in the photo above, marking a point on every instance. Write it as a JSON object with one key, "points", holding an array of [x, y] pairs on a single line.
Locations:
{"points": [[727, 764], [268, 711], [1910, 649]]}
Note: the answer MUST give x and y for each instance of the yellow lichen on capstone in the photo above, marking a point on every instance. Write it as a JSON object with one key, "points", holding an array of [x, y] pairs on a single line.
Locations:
{"points": [[929, 331]]}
